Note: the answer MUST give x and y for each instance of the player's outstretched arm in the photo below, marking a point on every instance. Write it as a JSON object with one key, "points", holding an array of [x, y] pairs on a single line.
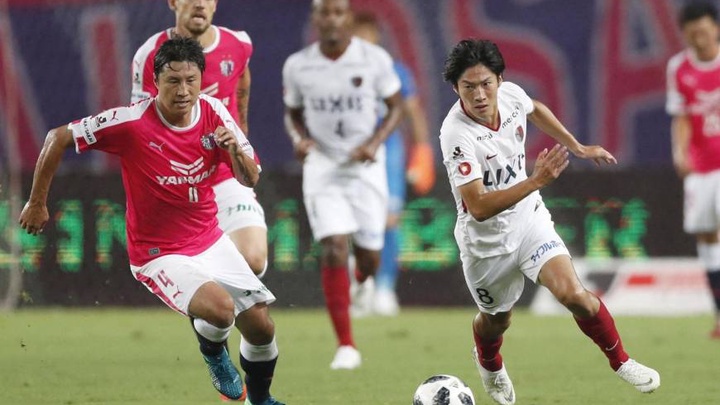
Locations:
{"points": [[483, 205], [35, 215], [546, 121], [244, 167]]}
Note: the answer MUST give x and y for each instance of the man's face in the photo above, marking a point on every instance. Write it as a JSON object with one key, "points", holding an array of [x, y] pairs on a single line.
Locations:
{"points": [[332, 19], [178, 87], [195, 16], [478, 89], [701, 34]]}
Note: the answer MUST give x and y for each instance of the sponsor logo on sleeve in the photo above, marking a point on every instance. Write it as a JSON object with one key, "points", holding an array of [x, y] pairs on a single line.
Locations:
{"points": [[87, 132], [465, 168], [457, 153]]}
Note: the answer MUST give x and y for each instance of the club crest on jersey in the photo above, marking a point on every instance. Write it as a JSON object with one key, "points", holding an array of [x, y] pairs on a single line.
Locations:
{"points": [[464, 168], [357, 81], [226, 67], [208, 141], [519, 134]]}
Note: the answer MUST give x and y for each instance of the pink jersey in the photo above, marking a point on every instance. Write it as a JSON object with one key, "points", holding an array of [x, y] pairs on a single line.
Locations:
{"points": [[165, 169], [693, 89], [225, 61]]}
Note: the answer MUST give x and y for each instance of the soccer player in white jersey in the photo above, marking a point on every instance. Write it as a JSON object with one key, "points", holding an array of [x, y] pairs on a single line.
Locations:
{"points": [[332, 88], [503, 229], [227, 77], [693, 91], [169, 147]]}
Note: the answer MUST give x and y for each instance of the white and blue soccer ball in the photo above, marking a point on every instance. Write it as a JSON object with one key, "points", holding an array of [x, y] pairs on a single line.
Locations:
{"points": [[443, 389]]}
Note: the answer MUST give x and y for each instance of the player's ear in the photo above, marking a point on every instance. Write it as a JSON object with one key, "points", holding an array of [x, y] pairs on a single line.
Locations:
{"points": [[455, 89], [172, 5], [500, 79], [155, 80]]}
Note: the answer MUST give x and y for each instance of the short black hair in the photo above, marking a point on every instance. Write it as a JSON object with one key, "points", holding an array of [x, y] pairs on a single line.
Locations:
{"points": [[696, 10], [179, 49], [470, 52]]}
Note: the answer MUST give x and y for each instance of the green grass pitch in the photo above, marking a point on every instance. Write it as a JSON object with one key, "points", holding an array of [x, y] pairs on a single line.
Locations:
{"points": [[149, 356]]}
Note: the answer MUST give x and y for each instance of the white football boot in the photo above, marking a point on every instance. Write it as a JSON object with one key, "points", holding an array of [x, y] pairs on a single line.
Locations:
{"points": [[496, 383], [346, 358], [643, 378]]}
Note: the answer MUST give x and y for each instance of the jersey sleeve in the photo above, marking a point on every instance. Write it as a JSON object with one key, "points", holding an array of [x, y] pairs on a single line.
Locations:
{"points": [[407, 81], [387, 82], [516, 93], [246, 44], [459, 156], [675, 102], [143, 84], [292, 97], [105, 131]]}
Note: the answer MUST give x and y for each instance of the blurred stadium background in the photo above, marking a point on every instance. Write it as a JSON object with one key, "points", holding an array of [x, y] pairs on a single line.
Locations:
{"points": [[598, 64]]}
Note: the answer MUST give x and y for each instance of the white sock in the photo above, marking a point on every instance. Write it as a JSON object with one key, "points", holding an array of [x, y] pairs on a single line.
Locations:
{"points": [[258, 353], [211, 332]]}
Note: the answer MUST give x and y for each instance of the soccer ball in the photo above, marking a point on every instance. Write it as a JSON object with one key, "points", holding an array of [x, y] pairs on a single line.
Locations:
{"points": [[443, 389]]}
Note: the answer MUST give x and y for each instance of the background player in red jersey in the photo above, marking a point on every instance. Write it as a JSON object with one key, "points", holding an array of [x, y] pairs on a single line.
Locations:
{"points": [[227, 78], [693, 100], [169, 148]]}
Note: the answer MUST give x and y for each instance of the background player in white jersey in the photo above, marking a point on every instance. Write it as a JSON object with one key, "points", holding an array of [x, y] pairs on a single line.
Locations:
{"points": [[169, 147], [503, 229], [420, 172], [227, 77], [693, 94], [332, 88]]}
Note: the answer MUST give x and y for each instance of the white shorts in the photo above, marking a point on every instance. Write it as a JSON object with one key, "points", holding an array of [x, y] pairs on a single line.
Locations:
{"points": [[497, 282], [176, 278], [346, 199], [237, 206], [702, 202]]}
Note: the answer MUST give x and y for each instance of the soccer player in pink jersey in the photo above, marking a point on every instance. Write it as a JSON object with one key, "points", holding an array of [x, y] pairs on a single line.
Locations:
{"points": [[170, 146], [693, 101], [503, 229], [227, 78]]}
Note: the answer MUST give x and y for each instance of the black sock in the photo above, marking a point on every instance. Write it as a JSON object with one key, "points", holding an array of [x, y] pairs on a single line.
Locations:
{"points": [[714, 281], [208, 347], [258, 377]]}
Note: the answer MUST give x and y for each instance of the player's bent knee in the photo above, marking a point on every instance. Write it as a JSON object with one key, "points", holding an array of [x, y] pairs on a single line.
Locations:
{"points": [[579, 302]]}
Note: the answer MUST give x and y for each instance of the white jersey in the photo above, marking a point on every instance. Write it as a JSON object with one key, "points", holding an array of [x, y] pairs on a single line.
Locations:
{"points": [[340, 97], [495, 156]]}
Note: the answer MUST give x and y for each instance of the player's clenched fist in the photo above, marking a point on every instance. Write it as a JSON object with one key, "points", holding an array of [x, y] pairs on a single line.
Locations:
{"points": [[302, 148], [364, 153], [226, 139], [34, 217]]}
